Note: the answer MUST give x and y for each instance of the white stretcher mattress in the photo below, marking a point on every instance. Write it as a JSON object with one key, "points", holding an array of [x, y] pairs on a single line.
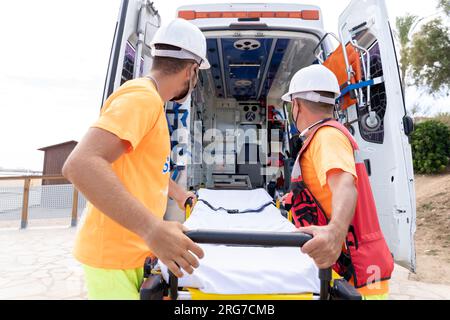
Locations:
{"points": [[246, 270]]}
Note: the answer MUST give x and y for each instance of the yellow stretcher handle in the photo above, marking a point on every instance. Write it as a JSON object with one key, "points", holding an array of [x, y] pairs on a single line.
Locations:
{"points": [[188, 206], [290, 218]]}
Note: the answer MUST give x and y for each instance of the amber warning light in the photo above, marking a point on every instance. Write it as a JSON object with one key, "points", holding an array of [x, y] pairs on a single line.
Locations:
{"points": [[305, 14]]}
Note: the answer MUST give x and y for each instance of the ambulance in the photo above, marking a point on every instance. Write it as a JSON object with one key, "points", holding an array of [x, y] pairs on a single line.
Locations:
{"points": [[236, 112]]}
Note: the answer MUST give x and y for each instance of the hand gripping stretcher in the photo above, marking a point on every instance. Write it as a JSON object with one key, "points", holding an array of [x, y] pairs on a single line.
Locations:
{"points": [[250, 254]]}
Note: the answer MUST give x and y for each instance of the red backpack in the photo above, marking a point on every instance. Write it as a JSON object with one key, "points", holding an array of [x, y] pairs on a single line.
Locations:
{"points": [[366, 258]]}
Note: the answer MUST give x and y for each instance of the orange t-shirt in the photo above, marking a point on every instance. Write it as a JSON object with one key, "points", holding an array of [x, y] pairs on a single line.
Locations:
{"points": [[329, 151], [134, 113]]}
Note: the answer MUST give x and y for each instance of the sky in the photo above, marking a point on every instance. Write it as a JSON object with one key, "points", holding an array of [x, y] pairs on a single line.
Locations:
{"points": [[53, 61]]}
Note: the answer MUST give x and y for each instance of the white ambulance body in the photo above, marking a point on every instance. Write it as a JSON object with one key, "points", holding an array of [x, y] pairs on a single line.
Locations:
{"points": [[254, 50]]}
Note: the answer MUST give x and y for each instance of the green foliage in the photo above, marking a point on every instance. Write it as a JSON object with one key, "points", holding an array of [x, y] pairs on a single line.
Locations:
{"points": [[429, 58], [445, 6], [431, 147]]}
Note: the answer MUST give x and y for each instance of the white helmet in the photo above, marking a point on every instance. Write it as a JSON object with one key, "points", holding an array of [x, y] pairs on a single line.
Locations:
{"points": [[311, 79], [182, 34]]}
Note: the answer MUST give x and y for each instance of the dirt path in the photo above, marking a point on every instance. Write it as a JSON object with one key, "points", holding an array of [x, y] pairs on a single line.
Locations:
{"points": [[433, 229]]}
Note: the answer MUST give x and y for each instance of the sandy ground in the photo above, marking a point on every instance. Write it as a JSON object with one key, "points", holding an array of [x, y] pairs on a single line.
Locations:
{"points": [[433, 229]]}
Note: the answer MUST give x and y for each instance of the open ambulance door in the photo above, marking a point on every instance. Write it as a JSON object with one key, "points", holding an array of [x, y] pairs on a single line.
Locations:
{"points": [[378, 119], [130, 54]]}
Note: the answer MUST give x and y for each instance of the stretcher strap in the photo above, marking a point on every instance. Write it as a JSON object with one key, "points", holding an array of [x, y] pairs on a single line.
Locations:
{"points": [[258, 210], [360, 85]]}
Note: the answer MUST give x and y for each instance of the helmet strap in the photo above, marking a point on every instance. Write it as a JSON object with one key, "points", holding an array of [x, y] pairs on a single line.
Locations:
{"points": [[314, 97], [177, 54]]}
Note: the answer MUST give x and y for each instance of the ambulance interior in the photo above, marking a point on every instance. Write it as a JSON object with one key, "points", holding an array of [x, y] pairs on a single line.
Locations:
{"points": [[247, 78], [250, 71]]}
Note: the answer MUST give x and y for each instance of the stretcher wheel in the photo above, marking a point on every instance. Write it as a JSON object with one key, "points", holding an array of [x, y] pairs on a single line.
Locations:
{"points": [[342, 290], [153, 288], [148, 266]]}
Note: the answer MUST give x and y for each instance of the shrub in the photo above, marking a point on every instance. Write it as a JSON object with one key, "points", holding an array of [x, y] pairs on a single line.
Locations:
{"points": [[431, 147]]}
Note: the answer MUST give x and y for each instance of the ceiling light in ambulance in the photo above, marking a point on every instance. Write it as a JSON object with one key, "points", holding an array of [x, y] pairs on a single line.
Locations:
{"points": [[247, 44]]}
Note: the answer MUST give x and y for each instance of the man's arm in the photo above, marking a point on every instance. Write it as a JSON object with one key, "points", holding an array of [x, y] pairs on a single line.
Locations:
{"points": [[326, 246], [179, 194], [89, 169], [345, 196]]}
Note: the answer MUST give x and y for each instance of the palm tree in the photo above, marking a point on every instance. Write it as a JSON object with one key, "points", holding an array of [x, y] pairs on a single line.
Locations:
{"points": [[404, 26]]}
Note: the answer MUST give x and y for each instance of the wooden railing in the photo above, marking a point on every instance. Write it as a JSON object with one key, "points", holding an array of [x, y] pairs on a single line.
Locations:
{"points": [[26, 196]]}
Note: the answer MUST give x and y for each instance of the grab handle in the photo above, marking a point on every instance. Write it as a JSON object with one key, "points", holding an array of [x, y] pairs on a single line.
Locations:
{"points": [[249, 239], [188, 205]]}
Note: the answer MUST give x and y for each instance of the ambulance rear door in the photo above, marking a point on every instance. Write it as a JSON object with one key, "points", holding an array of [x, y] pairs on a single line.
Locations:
{"points": [[383, 129], [130, 54]]}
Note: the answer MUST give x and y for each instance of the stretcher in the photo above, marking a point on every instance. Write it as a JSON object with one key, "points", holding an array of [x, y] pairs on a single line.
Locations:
{"points": [[251, 253]]}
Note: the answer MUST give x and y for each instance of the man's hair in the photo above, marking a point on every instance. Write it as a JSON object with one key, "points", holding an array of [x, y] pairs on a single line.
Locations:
{"points": [[320, 107], [168, 65]]}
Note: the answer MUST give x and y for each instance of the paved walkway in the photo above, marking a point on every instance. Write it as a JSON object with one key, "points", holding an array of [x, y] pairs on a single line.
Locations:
{"points": [[37, 264]]}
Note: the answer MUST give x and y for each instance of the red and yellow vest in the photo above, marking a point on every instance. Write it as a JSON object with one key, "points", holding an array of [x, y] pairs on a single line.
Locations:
{"points": [[366, 258]]}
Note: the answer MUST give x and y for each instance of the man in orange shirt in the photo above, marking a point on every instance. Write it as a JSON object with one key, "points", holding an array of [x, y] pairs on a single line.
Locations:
{"points": [[122, 166], [327, 165]]}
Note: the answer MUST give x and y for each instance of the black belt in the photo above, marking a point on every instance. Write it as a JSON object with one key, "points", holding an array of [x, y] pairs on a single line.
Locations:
{"points": [[258, 210]]}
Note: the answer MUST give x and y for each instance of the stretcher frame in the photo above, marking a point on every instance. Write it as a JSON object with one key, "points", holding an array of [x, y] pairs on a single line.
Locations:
{"points": [[332, 287]]}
